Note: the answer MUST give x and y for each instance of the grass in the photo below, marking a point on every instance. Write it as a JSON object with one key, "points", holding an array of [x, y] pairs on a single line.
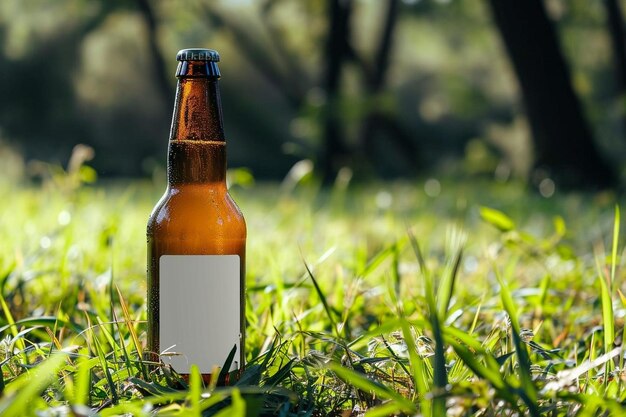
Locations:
{"points": [[376, 300]]}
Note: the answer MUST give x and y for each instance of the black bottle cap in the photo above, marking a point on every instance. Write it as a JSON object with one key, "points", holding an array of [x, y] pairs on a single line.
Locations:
{"points": [[198, 54], [198, 63]]}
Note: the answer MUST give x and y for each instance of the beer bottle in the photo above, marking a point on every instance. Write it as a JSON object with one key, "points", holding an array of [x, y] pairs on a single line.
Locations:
{"points": [[196, 234]]}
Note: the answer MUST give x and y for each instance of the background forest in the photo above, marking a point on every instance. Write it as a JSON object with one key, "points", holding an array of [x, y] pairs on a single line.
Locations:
{"points": [[384, 88]]}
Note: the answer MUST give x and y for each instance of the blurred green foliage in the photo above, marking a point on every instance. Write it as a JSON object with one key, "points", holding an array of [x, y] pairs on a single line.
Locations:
{"points": [[392, 297], [83, 71]]}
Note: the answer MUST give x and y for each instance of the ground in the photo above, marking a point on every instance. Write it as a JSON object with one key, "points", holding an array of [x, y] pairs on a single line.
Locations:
{"points": [[474, 297]]}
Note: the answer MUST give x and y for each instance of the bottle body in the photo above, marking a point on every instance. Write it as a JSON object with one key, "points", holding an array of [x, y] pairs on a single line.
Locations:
{"points": [[196, 244], [196, 220]]}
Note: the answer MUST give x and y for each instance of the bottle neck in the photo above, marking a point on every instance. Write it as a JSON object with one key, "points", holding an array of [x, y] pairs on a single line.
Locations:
{"points": [[196, 162], [197, 147], [197, 111]]}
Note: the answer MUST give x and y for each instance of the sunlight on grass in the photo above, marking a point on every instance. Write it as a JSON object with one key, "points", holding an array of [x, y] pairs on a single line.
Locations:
{"points": [[362, 300]]}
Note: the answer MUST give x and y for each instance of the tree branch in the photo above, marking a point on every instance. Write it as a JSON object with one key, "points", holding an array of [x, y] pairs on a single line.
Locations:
{"points": [[384, 47], [294, 69], [156, 57], [256, 53]]}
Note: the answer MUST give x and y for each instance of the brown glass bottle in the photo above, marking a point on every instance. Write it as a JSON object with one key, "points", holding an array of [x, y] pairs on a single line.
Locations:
{"points": [[196, 234]]}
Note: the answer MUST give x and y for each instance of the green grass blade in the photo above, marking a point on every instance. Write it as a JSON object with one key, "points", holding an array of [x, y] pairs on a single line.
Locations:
{"points": [[440, 373], [497, 219], [364, 383], [471, 359], [379, 258], [125, 354], [387, 409], [528, 386], [125, 409], [446, 286], [544, 287], [322, 297], [160, 399], [236, 409], [43, 321], [606, 284], [440, 380], [418, 369], [395, 272], [608, 322], [133, 333], [105, 368], [614, 247], [11, 324], [107, 335], [221, 379], [429, 292], [621, 357], [611, 406], [384, 328], [607, 307], [20, 395], [82, 378], [495, 378], [280, 375], [466, 338], [154, 389], [195, 390], [395, 356], [476, 317]]}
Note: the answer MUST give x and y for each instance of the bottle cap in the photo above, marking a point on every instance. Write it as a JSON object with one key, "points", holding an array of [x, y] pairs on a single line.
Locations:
{"points": [[198, 54]]}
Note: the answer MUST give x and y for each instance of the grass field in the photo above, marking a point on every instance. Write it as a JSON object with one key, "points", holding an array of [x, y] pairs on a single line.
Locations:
{"points": [[474, 299]]}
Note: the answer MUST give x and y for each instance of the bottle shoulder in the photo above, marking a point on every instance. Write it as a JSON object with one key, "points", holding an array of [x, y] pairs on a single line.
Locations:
{"points": [[199, 209]]}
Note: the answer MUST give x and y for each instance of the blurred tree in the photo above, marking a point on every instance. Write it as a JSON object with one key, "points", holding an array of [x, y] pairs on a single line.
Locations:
{"points": [[267, 86], [158, 63], [291, 83], [290, 75], [294, 83], [39, 92], [563, 141], [615, 22], [334, 153], [371, 85], [617, 32], [378, 119], [61, 101]]}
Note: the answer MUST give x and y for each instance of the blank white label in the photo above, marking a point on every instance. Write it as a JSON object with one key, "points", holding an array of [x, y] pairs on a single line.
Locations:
{"points": [[199, 319]]}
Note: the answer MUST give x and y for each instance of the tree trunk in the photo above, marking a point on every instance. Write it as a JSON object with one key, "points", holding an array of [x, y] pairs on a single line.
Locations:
{"points": [[564, 146], [618, 41], [377, 121], [377, 78], [333, 150], [165, 88]]}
